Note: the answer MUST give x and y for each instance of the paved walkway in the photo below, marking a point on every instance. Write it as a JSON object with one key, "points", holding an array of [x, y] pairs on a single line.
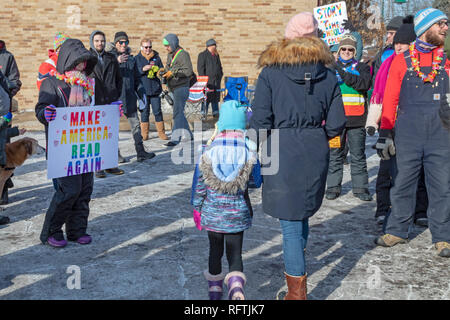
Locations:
{"points": [[146, 245]]}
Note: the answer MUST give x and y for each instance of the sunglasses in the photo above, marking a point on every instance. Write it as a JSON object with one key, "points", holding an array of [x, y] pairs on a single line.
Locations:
{"points": [[124, 43], [347, 49], [148, 47]]}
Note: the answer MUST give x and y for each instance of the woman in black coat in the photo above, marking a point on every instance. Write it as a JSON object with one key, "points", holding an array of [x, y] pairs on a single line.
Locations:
{"points": [[299, 102]]}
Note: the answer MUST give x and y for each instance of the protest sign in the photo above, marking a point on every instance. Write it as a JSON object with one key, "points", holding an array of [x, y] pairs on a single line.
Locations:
{"points": [[330, 18], [82, 140]]}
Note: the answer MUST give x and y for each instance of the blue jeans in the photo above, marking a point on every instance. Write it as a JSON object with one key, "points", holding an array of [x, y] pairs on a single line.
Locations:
{"points": [[155, 102], [295, 237], [214, 105], [180, 96]]}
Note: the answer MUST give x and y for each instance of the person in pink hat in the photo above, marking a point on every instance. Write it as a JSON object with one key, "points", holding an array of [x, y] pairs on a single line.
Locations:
{"points": [[296, 92]]}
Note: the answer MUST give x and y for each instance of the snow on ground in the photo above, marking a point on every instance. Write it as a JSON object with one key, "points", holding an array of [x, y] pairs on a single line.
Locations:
{"points": [[145, 244]]}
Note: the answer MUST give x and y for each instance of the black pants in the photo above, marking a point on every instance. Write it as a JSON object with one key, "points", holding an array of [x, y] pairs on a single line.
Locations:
{"points": [[70, 206], [233, 244]]}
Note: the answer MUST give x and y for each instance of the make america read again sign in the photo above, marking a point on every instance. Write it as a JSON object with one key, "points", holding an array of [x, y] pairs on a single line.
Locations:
{"points": [[82, 140], [331, 18]]}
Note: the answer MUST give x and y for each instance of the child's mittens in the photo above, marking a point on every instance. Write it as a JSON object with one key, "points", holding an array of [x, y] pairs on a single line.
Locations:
{"points": [[120, 104], [8, 117], [50, 113]]}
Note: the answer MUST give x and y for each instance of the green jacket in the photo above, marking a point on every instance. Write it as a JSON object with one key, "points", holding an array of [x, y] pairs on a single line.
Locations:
{"points": [[181, 68]]}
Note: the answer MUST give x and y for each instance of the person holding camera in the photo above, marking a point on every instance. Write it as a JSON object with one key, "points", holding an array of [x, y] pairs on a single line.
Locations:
{"points": [[178, 75], [131, 88], [149, 63]]}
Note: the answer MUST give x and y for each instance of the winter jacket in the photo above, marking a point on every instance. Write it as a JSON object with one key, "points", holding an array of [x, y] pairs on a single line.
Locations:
{"points": [[210, 65], [108, 81], [132, 88], [4, 109], [46, 67], [354, 80], [181, 68], [152, 84], [8, 67], [57, 92], [300, 97], [220, 184]]}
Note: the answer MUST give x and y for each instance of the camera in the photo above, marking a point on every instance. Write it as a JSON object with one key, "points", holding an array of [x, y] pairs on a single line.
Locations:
{"points": [[165, 94]]}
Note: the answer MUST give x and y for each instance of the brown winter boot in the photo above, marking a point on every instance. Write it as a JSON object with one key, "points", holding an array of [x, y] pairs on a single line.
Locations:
{"points": [[161, 130], [389, 240], [144, 130], [296, 287]]}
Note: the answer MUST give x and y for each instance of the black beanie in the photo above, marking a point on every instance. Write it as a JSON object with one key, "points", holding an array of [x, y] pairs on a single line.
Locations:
{"points": [[121, 35], [395, 23], [406, 34]]}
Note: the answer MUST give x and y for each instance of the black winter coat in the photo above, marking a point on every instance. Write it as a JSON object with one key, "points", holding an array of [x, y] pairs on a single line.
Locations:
{"points": [[8, 67], [152, 86], [307, 113], [132, 88], [57, 92], [211, 66], [108, 81]]}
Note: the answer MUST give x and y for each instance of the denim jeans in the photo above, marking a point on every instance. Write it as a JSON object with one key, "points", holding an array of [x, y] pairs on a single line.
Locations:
{"points": [[295, 237], [155, 102], [356, 139], [180, 96], [214, 105]]}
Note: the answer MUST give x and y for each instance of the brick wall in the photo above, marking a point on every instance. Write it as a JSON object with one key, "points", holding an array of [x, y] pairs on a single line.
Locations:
{"points": [[242, 29]]}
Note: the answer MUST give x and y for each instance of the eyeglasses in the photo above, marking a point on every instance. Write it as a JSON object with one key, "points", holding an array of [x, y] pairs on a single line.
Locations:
{"points": [[148, 47], [124, 43], [442, 23], [347, 49]]}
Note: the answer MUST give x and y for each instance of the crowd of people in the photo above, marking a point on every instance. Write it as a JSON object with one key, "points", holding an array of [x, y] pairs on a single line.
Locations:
{"points": [[322, 101]]}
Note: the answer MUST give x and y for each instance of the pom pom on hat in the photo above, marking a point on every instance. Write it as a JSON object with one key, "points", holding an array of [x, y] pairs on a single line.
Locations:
{"points": [[60, 38]]}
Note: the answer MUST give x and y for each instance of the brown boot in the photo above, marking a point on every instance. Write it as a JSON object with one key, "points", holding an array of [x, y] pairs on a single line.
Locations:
{"points": [[144, 130], [161, 130], [296, 287]]}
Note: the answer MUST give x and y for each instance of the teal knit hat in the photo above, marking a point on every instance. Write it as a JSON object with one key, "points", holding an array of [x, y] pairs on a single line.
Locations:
{"points": [[232, 116]]}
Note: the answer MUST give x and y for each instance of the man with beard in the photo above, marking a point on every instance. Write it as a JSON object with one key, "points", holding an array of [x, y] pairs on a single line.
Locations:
{"points": [[418, 84], [108, 82]]}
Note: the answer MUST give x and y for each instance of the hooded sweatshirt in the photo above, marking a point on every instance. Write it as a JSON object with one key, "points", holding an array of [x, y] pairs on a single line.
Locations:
{"points": [[179, 62]]}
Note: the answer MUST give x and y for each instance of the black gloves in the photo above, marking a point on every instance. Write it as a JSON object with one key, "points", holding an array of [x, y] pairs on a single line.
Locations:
{"points": [[348, 26], [370, 130], [385, 145]]}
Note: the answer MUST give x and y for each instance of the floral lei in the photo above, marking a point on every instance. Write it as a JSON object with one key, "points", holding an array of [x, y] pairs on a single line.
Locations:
{"points": [[416, 66], [85, 83]]}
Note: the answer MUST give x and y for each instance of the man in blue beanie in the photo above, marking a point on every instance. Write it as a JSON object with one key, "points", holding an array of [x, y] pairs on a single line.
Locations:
{"points": [[415, 91]]}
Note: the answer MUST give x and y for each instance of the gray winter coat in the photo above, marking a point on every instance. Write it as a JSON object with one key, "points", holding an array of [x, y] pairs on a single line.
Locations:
{"points": [[9, 68]]}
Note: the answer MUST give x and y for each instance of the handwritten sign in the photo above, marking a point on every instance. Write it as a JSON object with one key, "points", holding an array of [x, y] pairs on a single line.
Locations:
{"points": [[331, 18], [82, 140]]}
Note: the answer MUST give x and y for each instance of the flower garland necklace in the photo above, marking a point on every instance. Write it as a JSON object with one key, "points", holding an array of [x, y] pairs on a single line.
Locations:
{"points": [[416, 65], [76, 80]]}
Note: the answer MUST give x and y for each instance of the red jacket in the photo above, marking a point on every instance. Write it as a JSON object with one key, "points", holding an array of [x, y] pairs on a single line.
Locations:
{"points": [[394, 85], [47, 66]]}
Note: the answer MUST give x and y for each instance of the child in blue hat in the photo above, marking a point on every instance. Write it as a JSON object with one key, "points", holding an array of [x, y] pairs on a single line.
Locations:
{"points": [[220, 195]]}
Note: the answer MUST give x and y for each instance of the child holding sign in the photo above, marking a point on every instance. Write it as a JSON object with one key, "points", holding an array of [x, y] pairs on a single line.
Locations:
{"points": [[67, 87]]}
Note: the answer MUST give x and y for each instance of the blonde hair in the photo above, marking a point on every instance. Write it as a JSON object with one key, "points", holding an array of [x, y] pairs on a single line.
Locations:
{"points": [[146, 40]]}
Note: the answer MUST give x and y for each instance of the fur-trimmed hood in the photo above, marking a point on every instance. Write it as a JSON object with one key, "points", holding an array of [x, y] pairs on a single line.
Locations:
{"points": [[298, 51]]}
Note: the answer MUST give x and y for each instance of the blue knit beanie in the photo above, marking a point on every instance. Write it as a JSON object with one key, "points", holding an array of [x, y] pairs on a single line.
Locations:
{"points": [[425, 18], [232, 116]]}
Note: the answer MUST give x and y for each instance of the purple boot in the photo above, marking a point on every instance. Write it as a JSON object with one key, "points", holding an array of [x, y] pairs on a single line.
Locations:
{"points": [[235, 281], [57, 242], [86, 239], [215, 283]]}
